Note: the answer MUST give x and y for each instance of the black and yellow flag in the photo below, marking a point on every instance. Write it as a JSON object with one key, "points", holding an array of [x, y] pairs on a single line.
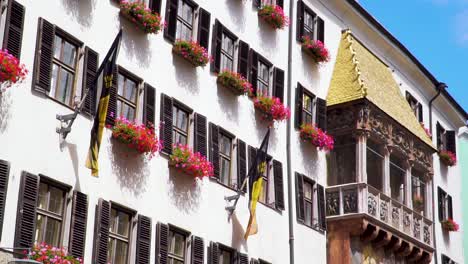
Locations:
{"points": [[256, 171], [103, 83]]}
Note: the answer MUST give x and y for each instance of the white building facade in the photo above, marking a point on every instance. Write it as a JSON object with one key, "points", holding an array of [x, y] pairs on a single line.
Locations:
{"points": [[140, 209]]}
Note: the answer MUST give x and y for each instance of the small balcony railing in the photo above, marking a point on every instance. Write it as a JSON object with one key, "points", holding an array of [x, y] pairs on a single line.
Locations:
{"points": [[360, 198]]}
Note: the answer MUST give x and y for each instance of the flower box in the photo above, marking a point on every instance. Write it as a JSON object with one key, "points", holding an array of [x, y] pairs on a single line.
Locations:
{"points": [[145, 19], [48, 254], [274, 16], [450, 225], [320, 139], [11, 70], [136, 136], [194, 164], [316, 49], [271, 108], [418, 202], [448, 158], [192, 52], [428, 132], [235, 82]]}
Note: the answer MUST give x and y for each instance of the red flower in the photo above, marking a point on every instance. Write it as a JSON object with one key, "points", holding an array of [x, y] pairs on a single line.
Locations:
{"points": [[140, 14], [272, 108], [450, 225], [274, 15], [11, 70], [317, 49], [236, 81], [192, 51], [51, 255], [448, 158], [316, 136], [191, 163]]}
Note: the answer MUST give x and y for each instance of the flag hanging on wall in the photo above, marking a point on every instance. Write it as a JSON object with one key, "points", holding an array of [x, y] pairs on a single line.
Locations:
{"points": [[256, 171], [103, 83]]}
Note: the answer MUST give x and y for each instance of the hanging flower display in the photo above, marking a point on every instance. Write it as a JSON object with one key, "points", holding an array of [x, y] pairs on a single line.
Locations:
{"points": [[418, 200], [136, 136], [271, 108], [450, 225], [428, 132], [192, 52], [274, 16], [316, 136], [316, 49], [142, 16], [235, 82], [195, 164], [51, 255], [11, 70], [448, 158]]}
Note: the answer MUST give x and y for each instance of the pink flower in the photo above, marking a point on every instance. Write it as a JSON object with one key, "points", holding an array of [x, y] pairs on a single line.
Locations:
{"points": [[192, 51], [272, 108], [274, 15]]}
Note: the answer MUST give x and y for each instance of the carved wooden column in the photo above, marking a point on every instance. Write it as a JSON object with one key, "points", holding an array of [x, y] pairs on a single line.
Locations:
{"points": [[361, 156], [429, 195], [408, 185], [386, 170]]}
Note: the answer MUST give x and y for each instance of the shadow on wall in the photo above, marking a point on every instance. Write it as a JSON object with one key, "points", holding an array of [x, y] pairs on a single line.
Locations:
{"points": [[262, 127], [309, 155], [268, 38], [238, 234], [129, 166], [75, 163], [446, 236], [229, 103], [184, 190], [443, 172], [5, 113], [136, 43], [310, 71], [186, 74], [236, 12], [81, 11]]}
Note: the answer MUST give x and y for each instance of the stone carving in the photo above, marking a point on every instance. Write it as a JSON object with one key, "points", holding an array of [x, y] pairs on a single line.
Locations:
{"points": [[417, 228], [333, 203], [426, 234], [350, 201], [396, 216], [406, 221], [383, 211], [372, 204]]}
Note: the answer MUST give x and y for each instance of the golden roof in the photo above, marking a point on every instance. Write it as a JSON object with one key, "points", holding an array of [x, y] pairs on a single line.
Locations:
{"points": [[358, 74]]}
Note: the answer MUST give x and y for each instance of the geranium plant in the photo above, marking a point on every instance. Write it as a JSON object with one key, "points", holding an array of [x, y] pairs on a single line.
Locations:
{"points": [[195, 164], [142, 16], [235, 82], [274, 16], [192, 51], [450, 225], [448, 158], [418, 200], [316, 136], [51, 255], [136, 136], [428, 132], [11, 70], [271, 108], [316, 49]]}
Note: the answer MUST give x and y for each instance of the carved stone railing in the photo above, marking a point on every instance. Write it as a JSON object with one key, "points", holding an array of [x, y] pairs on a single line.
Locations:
{"points": [[360, 198]]}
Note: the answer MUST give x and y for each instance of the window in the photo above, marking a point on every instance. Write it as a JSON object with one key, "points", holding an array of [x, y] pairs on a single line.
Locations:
{"points": [[397, 179], [415, 106], [185, 14], [119, 236], [418, 190], [226, 255], [225, 156], [447, 260], [375, 162], [307, 108], [270, 2], [63, 70], [267, 196], [263, 79], [445, 139], [180, 126], [341, 171], [127, 96], [177, 246], [309, 24], [310, 202], [310, 109], [49, 214], [227, 52], [309, 216], [445, 205]]}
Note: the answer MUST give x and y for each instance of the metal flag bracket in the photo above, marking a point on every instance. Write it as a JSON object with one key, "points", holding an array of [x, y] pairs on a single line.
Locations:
{"points": [[234, 198]]}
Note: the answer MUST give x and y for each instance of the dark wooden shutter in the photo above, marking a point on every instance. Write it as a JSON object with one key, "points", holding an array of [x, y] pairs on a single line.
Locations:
{"points": [[149, 105], [278, 181], [450, 139], [449, 207], [280, 3], [254, 261], [102, 232], [441, 198], [439, 136], [300, 21], [241, 258], [253, 62], [171, 20], [321, 207], [299, 106], [214, 253], [26, 214], [44, 54], [79, 219], [4, 176], [204, 21], [155, 6], [243, 59], [420, 113], [257, 3], [200, 137], [321, 115], [216, 46], [300, 208], [112, 108], [91, 60], [166, 120], [241, 164], [278, 88], [252, 156], [143, 243], [320, 30], [214, 149], [198, 250], [162, 243], [13, 37]]}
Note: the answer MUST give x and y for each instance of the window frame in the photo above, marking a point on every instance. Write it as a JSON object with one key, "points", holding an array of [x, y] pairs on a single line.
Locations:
{"points": [[182, 107], [227, 33], [313, 30], [269, 180], [269, 65], [224, 133], [132, 213], [139, 90], [232, 251], [445, 206], [414, 104], [305, 112], [187, 243], [314, 221], [195, 18]]}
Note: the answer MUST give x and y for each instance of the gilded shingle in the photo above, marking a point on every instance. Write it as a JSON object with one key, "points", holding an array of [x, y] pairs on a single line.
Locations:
{"points": [[358, 73]]}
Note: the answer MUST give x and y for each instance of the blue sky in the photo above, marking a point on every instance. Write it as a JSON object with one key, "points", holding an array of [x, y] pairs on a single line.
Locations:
{"points": [[436, 32]]}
